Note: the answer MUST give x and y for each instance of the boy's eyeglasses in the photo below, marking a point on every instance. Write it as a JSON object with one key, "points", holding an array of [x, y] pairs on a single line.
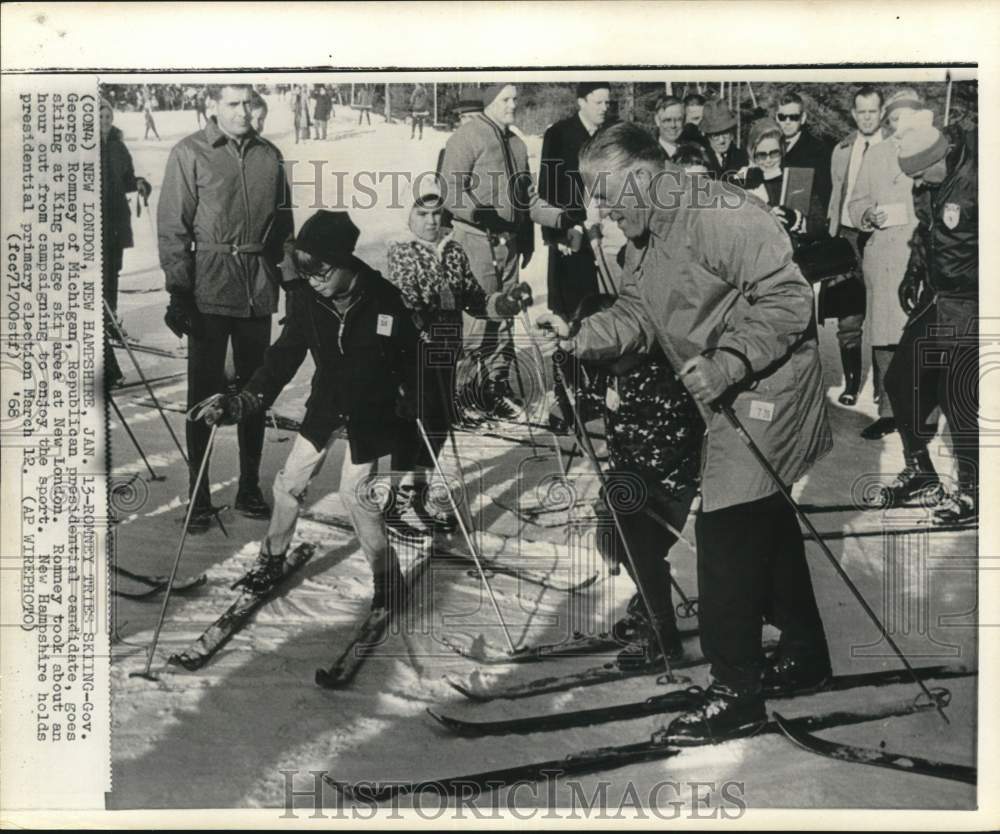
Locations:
{"points": [[789, 117], [763, 156]]}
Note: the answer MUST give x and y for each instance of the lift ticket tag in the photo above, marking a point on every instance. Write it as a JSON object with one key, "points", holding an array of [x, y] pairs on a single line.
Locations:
{"points": [[384, 326], [761, 410]]}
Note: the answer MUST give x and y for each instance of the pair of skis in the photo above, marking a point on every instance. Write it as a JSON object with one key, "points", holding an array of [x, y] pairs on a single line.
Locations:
{"points": [[658, 747]]}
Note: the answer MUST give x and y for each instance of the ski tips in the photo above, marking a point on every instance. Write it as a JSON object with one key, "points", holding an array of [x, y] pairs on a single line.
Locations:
{"points": [[185, 661], [448, 723], [149, 676], [465, 689]]}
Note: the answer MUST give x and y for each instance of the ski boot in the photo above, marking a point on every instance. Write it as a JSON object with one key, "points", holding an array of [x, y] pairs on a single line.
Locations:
{"points": [[646, 651], [267, 570], [432, 512], [503, 404], [918, 479], [787, 675], [632, 626], [201, 518], [959, 507], [250, 503], [400, 513], [850, 359], [725, 713], [879, 429]]}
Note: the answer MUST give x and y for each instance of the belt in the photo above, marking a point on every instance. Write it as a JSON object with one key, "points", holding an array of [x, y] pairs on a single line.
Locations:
{"points": [[228, 248]]}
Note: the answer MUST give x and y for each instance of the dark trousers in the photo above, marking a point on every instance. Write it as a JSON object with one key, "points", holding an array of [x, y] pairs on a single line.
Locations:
{"points": [[849, 327], [649, 542], [936, 364], [752, 564], [111, 267], [207, 375]]}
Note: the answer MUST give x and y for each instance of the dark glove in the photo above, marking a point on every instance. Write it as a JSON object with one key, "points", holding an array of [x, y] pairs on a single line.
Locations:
{"points": [[910, 290], [229, 409], [182, 315], [515, 300], [143, 189], [487, 218], [406, 405], [570, 218], [787, 216]]}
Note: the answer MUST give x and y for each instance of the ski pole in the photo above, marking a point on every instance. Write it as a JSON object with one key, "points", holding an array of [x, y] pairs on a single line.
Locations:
{"points": [[142, 376], [146, 673], [498, 276], [466, 535], [152, 475], [541, 370], [588, 449], [727, 411], [595, 236]]}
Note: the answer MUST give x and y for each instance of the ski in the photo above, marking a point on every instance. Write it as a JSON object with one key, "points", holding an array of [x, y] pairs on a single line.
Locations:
{"points": [[819, 509], [675, 701], [181, 586], [598, 759], [578, 644], [796, 732], [160, 582], [345, 667], [490, 565], [237, 615], [139, 347], [368, 636], [836, 535], [608, 673]]}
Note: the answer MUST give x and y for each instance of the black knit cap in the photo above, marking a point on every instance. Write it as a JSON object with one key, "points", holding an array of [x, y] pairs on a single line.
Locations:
{"points": [[329, 236], [585, 88]]}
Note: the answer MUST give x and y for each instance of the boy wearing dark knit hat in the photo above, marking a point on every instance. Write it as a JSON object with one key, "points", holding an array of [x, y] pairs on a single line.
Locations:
{"points": [[364, 345], [940, 293]]}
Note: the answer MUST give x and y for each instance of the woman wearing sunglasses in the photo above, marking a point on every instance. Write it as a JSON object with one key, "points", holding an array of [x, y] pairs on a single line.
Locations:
{"points": [[764, 178]]}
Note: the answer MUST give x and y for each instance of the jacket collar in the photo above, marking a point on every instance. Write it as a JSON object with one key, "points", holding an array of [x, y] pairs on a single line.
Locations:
{"points": [[853, 135], [672, 191], [217, 138]]}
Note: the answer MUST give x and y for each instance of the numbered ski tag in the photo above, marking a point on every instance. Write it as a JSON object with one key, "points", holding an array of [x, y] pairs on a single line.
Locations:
{"points": [[612, 400], [761, 410], [384, 326], [447, 298]]}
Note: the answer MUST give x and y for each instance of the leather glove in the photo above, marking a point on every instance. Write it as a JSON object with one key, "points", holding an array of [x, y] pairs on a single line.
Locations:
{"points": [[488, 219], [229, 409], [143, 189], [182, 315], [789, 217], [406, 405], [910, 290], [570, 218], [515, 300]]}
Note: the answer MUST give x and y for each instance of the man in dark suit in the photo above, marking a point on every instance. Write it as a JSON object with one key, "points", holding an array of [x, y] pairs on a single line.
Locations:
{"points": [[572, 276], [802, 148]]}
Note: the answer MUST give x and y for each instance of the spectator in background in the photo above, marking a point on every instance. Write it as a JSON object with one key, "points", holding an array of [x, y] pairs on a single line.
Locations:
{"points": [[572, 275], [764, 180], [937, 361], [802, 148], [882, 205], [363, 102], [300, 112], [199, 108], [147, 112], [719, 128], [323, 106], [258, 113], [694, 109], [419, 102], [845, 163], [118, 180], [222, 220], [669, 120], [494, 206]]}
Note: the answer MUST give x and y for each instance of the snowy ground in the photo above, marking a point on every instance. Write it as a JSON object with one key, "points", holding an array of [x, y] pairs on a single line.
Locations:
{"points": [[220, 737]]}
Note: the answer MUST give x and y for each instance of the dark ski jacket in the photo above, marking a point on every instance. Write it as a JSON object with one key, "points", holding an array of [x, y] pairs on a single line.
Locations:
{"points": [[945, 244], [361, 359]]}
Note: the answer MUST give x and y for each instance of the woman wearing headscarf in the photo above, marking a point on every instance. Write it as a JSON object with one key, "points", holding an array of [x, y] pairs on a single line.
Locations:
{"points": [[118, 180], [436, 281]]}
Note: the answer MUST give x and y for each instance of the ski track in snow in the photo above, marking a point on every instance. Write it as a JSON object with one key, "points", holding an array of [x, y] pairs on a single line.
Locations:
{"points": [[218, 737]]}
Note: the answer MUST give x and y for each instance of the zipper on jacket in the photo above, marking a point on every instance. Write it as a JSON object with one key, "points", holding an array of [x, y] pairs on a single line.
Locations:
{"points": [[342, 322], [246, 205]]}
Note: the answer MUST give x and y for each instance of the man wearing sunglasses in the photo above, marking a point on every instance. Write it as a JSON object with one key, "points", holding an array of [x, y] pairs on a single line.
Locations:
{"points": [[802, 148]]}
